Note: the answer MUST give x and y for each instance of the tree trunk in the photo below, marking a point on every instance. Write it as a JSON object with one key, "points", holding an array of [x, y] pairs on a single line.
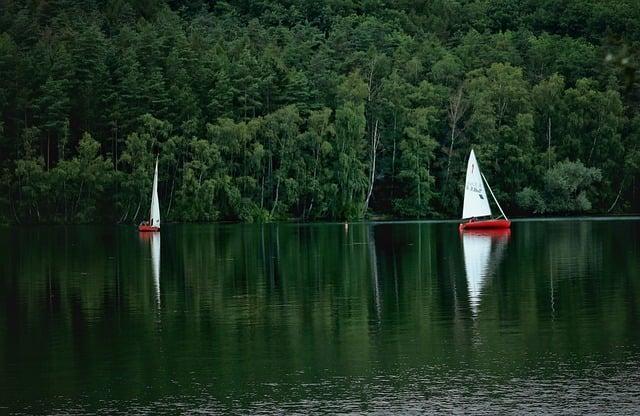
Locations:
{"points": [[453, 138], [393, 154], [617, 198], [75, 206], [595, 140], [137, 209], [593, 146], [64, 199], [126, 213], [13, 208], [315, 175], [48, 149], [310, 206], [374, 150], [457, 108], [419, 183], [549, 141], [275, 202], [115, 154], [370, 83], [173, 185]]}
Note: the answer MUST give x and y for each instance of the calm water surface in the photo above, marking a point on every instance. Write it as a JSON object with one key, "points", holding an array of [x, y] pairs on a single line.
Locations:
{"points": [[373, 318]]}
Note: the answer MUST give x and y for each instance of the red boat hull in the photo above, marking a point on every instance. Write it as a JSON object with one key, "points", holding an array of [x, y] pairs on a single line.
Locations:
{"points": [[148, 228], [485, 224]]}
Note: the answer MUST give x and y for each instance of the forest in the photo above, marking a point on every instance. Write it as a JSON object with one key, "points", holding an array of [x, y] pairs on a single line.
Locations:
{"points": [[291, 109]]}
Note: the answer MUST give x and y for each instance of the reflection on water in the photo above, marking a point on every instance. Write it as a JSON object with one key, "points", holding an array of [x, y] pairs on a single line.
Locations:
{"points": [[482, 253], [153, 240], [155, 262], [406, 317]]}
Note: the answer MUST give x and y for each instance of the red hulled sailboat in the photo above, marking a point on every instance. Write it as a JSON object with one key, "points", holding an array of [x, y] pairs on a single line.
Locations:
{"points": [[476, 209]]}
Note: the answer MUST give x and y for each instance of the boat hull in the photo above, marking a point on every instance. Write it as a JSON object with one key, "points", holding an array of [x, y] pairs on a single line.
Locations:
{"points": [[485, 225], [148, 229]]}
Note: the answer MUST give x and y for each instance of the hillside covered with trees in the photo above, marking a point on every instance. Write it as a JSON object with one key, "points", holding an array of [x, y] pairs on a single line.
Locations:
{"points": [[267, 110]]}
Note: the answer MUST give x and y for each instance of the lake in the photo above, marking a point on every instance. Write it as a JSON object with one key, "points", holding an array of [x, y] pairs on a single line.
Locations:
{"points": [[321, 318]]}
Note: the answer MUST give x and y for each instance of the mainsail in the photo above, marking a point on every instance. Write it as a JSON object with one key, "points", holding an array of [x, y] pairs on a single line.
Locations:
{"points": [[476, 203], [154, 219]]}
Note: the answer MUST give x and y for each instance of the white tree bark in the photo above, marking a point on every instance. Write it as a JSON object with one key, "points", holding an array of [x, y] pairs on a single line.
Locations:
{"points": [[375, 141]]}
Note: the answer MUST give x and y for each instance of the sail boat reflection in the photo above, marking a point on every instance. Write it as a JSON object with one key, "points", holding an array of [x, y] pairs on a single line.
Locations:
{"points": [[154, 241], [155, 263], [483, 251]]}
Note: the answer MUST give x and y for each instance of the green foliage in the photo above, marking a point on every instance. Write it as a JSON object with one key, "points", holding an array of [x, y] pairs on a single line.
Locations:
{"points": [[80, 184], [566, 190], [137, 161], [196, 197], [351, 179], [416, 156], [261, 111]]}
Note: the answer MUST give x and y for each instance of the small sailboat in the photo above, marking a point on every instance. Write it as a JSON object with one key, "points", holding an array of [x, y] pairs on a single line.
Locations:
{"points": [[154, 216], [476, 204]]}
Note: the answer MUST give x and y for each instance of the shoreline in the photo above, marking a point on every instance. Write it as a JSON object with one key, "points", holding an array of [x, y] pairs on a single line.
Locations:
{"points": [[378, 220]]}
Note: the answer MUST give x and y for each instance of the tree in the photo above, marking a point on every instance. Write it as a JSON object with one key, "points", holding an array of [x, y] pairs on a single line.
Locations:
{"points": [[501, 127], [567, 187], [245, 169], [351, 178], [548, 101], [280, 132], [270, 110], [182, 101], [88, 55], [82, 182], [30, 187], [316, 145], [138, 160], [246, 82], [201, 183], [593, 133], [8, 68], [416, 154], [53, 108]]}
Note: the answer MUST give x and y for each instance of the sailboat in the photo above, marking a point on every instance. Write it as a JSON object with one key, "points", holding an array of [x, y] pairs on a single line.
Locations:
{"points": [[154, 216], [476, 204]]}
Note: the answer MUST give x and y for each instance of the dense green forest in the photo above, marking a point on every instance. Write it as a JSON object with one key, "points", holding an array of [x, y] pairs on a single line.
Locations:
{"points": [[265, 110]]}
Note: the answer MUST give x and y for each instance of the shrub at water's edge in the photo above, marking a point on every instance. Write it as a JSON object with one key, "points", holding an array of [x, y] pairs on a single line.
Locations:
{"points": [[567, 189]]}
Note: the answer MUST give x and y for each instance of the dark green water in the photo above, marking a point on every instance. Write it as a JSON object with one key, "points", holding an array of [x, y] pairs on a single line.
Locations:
{"points": [[376, 318]]}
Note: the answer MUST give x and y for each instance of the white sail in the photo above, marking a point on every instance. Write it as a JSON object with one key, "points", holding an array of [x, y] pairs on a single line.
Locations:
{"points": [[476, 203], [154, 219], [155, 263], [477, 253]]}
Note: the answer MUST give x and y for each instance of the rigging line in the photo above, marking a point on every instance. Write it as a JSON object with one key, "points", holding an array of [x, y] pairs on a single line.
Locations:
{"points": [[494, 197]]}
